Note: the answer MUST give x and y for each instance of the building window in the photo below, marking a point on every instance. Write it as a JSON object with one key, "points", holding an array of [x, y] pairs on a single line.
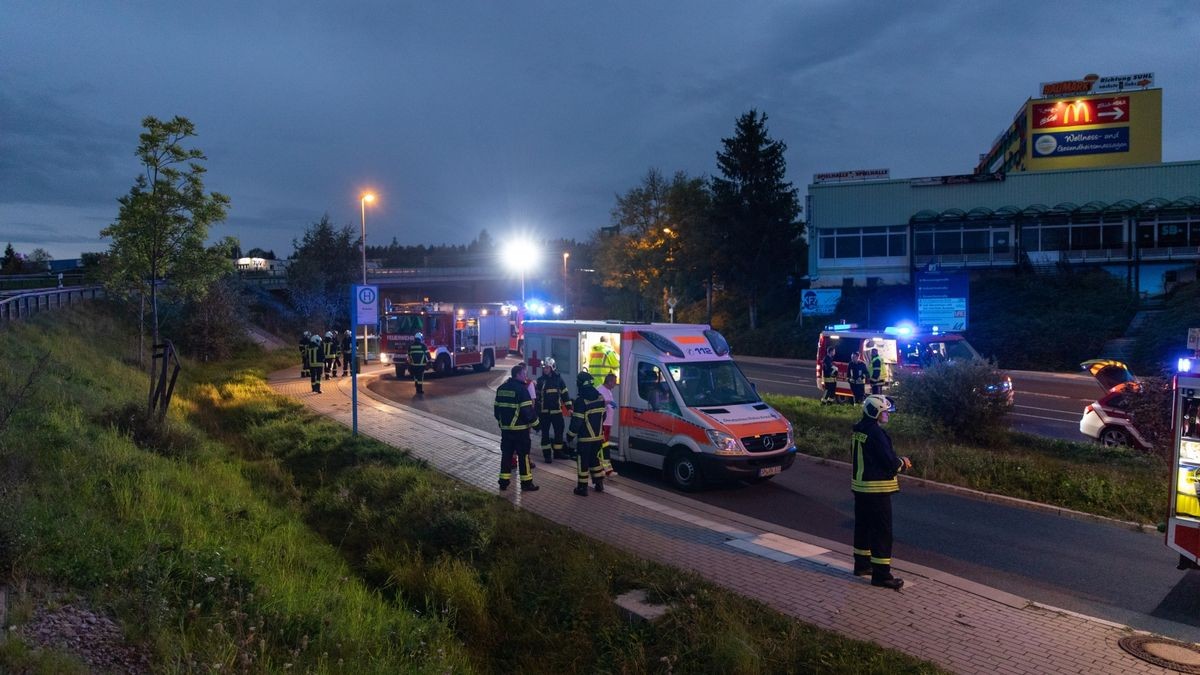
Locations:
{"points": [[1114, 236], [975, 241], [849, 247], [1085, 238], [1056, 238], [898, 243], [1000, 241], [1172, 234], [865, 242]]}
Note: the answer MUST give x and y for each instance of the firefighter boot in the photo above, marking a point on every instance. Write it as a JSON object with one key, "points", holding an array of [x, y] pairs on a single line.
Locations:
{"points": [[548, 456], [503, 484], [581, 490], [862, 565], [528, 486], [881, 576], [598, 484]]}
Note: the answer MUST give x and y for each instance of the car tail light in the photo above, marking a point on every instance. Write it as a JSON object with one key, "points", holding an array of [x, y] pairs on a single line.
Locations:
{"points": [[1088, 409]]}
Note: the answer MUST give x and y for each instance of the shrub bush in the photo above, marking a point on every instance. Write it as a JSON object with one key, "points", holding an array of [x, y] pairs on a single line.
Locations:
{"points": [[953, 396], [1150, 410]]}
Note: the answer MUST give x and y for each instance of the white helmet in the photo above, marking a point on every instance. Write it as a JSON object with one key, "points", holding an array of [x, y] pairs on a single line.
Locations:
{"points": [[348, 333], [328, 335], [877, 403], [316, 339], [548, 363], [419, 336], [307, 334]]}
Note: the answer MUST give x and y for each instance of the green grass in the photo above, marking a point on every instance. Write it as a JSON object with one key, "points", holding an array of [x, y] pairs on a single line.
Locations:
{"points": [[252, 535], [1114, 482]]}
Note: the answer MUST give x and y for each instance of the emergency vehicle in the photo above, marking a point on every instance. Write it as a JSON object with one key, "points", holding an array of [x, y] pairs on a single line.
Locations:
{"points": [[902, 348], [1183, 524], [683, 405], [456, 335]]}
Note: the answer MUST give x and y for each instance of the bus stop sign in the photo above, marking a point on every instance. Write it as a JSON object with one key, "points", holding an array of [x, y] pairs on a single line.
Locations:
{"points": [[366, 305]]}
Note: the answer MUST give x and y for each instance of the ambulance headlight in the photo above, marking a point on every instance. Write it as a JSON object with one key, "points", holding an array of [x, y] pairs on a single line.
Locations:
{"points": [[725, 444], [385, 358], [791, 436]]}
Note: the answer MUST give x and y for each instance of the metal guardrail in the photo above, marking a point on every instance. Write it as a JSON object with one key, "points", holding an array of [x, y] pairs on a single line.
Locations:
{"points": [[27, 304]]}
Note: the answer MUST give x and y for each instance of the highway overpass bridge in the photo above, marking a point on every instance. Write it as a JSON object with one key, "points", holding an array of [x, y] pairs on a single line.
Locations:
{"points": [[409, 284]]}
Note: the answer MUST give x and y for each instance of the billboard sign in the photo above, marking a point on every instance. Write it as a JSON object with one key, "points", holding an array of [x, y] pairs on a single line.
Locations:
{"points": [[820, 301], [1081, 112], [1094, 84], [856, 174], [942, 300], [1090, 142]]}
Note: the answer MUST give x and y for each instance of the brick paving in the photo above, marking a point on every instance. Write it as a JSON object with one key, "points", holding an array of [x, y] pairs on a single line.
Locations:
{"points": [[960, 625]]}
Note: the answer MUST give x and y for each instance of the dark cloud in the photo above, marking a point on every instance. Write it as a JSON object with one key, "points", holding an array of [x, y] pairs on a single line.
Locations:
{"points": [[470, 115]]}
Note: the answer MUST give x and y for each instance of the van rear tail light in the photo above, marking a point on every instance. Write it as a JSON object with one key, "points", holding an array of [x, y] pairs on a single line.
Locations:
{"points": [[1088, 409]]}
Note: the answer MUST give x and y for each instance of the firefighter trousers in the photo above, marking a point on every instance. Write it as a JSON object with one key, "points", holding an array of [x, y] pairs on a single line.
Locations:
{"points": [[515, 443], [873, 532], [552, 435], [588, 461], [859, 391], [876, 386], [418, 376], [314, 372], [830, 392]]}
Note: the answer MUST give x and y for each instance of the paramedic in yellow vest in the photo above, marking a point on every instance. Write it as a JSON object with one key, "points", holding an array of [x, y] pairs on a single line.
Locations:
{"points": [[603, 360]]}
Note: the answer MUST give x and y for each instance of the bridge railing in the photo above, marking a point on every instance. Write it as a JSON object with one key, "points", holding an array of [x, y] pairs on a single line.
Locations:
{"points": [[27, 304]]}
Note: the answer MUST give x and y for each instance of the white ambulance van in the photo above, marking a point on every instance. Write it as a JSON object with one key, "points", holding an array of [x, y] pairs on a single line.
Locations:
{"points": [[684, 406]]}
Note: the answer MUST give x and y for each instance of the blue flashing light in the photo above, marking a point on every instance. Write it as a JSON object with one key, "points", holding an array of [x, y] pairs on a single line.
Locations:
{"points": [[1184, 365], [903, 330], [935, 330]]}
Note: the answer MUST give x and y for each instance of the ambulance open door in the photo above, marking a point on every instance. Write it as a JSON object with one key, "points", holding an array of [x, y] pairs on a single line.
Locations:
{"points": [[1183, 526]]}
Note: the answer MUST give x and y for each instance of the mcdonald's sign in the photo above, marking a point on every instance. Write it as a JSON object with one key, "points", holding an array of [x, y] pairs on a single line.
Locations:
{"points": [[1080, 112]]}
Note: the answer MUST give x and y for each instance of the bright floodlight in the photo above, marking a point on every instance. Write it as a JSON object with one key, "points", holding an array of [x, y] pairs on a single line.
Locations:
{"points": [[520, 254]]}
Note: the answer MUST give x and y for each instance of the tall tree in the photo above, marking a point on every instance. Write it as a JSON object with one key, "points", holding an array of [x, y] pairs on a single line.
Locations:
{"points": [[163, 221], [653, 224], [326, 262], [756, 209]]}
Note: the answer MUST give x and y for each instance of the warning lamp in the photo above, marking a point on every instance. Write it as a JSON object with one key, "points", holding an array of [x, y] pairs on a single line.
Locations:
{"points": [[1184, 365]]}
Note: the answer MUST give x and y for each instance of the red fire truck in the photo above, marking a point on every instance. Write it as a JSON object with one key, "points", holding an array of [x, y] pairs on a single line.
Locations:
{"points": [[456, 335], [1183, 524]]}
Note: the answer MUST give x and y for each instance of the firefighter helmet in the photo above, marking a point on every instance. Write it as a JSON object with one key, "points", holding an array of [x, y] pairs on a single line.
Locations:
{"points": [[316, 339], [548, 363], [419, 337], [328, 335], [877, 403], [584, 379], [348, 333], [307, 334]]}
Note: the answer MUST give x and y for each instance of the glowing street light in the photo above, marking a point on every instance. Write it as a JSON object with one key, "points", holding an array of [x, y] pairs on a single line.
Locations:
{"points": [[520, 254]]}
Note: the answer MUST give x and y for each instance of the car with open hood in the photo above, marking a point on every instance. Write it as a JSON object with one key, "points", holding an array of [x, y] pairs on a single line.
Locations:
{"points": [[1107, 420]]}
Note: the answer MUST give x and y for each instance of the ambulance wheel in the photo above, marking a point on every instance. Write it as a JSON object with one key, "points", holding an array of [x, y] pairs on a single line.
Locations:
{"points": [[442, 365], [683, 471], [1114, 437]]}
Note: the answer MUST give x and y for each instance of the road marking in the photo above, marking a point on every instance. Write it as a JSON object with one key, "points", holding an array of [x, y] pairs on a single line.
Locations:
{"points": [[1039, 417], [1052, 410]]}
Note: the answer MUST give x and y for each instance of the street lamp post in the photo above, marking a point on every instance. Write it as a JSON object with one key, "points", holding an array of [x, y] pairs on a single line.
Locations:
{"points": [[566, 299], [367, 197]]}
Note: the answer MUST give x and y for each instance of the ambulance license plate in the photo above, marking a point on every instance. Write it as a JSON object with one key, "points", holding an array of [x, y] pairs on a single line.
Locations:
{"points": [[769, 471]]}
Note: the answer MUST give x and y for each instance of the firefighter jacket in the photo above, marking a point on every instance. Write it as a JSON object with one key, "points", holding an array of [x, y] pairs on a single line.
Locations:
{"points": [[875, 463], [876, 368], [829, 370], [315, 355], [587, 420], [347, 344], [857, 373], [331, 349], [602, 360], [513, 409], [418, 354], [551, 394]]}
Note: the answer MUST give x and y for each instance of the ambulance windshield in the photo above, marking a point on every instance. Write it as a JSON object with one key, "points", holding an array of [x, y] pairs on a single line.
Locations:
{"points": [[711, 383]]}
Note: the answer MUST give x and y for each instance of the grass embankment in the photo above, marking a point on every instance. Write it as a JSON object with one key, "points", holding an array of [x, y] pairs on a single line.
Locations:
{"points": [[1114, 482], [250, 535]]}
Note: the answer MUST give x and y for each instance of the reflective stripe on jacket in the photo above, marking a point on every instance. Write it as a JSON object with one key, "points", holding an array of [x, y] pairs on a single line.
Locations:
{"points": [[875, 463], [876, 368], [587, 422], [551, 394], [418, 354], [602, 360], [513, 408]]}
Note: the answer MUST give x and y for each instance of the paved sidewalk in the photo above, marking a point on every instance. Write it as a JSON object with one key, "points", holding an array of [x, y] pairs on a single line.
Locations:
{"points": [[962, 626]]}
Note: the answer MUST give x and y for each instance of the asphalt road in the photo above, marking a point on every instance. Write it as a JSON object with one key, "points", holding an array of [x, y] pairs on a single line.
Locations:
{"points": [[1100, 569]]}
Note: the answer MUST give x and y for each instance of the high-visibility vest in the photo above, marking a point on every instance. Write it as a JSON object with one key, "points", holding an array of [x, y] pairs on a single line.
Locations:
{"points": [[602, 360], [418, 354], [876, 369]]}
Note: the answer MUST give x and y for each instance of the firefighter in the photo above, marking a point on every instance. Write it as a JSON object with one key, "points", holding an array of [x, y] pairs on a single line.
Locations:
{"points": [[829, 373], [550, 397], [304, 340], [875, 466], [347, 353], [314, 355], [418, 359], [514, 412], [856, 375], [602, 360], [587, 434], [876, 372], [330, 354]]}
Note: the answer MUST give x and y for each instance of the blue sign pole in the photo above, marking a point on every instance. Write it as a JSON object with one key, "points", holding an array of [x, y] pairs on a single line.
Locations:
{"points": [[354, 367]]}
